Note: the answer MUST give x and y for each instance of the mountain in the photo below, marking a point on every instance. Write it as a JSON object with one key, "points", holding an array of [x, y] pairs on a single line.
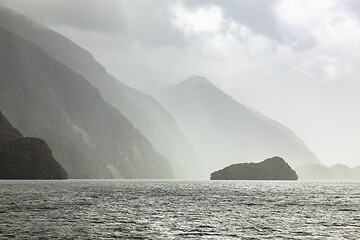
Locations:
{"points": [[274, 168], [7, 131], [320, 172], [357, 171], [29, 158], [224, 131], [343, 172], [25, 158], [149, 116], [314, 172], [91, 139]]}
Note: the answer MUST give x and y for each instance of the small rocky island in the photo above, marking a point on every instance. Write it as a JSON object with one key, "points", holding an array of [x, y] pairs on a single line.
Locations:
{"points": [[270, 169], [25, 157]]}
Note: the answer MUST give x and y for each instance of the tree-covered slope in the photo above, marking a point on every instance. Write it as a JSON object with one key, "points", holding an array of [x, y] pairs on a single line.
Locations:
{"points": [[25, 158], [91, 139], [7, 131], [270, 169], [29, 158]]}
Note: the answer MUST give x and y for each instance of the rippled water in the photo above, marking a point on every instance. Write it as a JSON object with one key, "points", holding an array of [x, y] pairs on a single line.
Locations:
{"points": [[179, 210]]}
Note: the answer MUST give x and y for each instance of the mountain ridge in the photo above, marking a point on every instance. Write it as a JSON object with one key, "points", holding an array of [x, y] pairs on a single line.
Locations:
{"points": [[25, 157], [149, 116], [44, 98], [222, 129], [334, 172]]}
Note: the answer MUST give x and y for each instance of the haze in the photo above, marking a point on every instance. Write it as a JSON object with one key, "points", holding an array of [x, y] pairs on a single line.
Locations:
{"points": [[294, 61]]}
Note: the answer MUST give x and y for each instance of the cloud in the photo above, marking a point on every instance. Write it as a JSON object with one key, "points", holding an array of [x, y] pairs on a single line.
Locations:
{"points": [[89, 15], [325, 22], [145, 21], [326, 68], [259, 16], [203, 19], [294, 60]]}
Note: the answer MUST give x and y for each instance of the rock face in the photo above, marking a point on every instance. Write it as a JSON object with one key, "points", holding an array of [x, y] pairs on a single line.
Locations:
{"points": [[25, 158], [270, 169], [223, 130], [44, 98]]}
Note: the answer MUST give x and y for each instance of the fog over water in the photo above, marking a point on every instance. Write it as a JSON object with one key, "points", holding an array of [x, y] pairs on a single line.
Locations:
{"points": [[294, 61]]}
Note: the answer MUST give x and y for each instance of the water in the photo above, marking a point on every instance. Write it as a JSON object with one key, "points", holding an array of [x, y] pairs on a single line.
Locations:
{"points": [[100, 209]]}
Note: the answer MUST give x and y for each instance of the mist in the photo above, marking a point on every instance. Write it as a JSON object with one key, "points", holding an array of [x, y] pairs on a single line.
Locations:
{"points": [[152, 119], [292, 61]]}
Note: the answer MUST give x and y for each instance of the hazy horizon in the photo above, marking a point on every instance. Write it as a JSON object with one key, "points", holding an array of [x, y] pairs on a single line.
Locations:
{"points": [[294, 61]]}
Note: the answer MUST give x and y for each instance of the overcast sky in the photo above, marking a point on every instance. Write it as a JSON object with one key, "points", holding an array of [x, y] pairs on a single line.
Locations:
{"points": [[295, 61]]}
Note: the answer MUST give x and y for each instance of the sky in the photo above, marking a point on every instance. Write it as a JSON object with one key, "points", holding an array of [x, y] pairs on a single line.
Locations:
{"points": [[294, 61]]}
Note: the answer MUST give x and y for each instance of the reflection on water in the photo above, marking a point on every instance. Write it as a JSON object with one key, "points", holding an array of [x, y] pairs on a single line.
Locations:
{"points": [[179, 209]]}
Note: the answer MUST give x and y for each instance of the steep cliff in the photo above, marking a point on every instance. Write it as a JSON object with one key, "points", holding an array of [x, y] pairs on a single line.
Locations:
{"points": [[91, 139], [25, 158]]}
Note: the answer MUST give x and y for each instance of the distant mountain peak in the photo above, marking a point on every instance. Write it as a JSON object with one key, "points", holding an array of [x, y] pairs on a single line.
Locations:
{"points": [[224, 131], [196, 81]]}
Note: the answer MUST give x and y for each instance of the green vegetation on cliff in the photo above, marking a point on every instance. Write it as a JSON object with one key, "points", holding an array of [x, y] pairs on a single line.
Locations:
{"points": [[270, 169]]}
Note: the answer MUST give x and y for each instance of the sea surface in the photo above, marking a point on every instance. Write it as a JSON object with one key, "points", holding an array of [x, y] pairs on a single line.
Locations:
{"points": [[110, 209]]}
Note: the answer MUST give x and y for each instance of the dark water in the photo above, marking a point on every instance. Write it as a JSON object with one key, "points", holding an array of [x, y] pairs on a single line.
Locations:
{"points": [[179, 210]]}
